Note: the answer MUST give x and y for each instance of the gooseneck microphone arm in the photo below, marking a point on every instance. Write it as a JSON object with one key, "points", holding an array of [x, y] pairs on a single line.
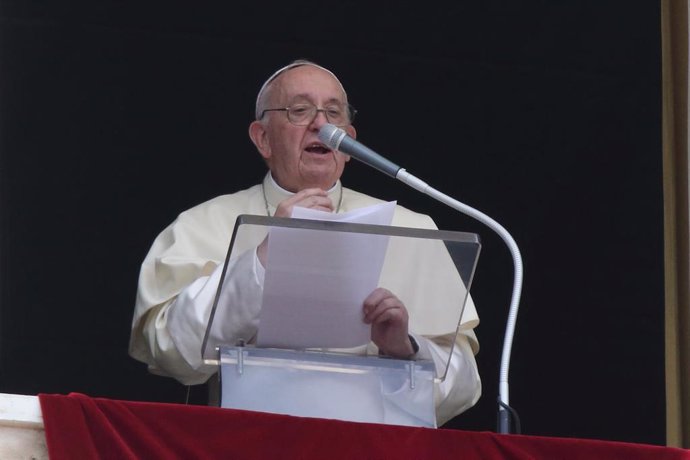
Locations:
{"points": [[504, 416], [337, 139]]}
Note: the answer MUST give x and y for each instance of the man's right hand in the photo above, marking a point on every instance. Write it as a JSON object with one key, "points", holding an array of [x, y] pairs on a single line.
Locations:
{"points": [[313, 198]]}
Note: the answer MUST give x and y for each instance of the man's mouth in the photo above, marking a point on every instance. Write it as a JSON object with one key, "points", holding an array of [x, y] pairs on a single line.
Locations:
{"points": [[317, 148]]}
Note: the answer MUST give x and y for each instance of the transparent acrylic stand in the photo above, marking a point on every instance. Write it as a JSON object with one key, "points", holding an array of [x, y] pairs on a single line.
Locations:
{"points": [[429, 270]]}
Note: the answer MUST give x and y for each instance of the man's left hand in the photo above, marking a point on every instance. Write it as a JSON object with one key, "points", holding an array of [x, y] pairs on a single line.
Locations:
{"points": [[388, 318]]}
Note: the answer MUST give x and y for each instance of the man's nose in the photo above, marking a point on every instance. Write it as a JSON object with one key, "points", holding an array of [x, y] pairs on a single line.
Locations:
{"points": [[320, 119]]}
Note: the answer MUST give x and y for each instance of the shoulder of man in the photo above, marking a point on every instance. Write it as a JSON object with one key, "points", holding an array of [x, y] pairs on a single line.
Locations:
{"points": [[242, 201]]}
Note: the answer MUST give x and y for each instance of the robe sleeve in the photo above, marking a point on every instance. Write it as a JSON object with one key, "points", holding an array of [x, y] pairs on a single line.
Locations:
{"points": [[462, 386], [174, 331]]}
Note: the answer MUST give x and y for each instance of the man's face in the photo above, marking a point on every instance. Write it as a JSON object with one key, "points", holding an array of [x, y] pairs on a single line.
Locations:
{"points": [[294, 154]]}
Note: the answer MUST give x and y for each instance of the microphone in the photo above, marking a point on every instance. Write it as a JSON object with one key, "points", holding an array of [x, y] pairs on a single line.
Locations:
{"points": [[337, 139]]}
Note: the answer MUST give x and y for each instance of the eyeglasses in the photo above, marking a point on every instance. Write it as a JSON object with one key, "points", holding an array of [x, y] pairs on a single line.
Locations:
{"points": [[304, 114]]}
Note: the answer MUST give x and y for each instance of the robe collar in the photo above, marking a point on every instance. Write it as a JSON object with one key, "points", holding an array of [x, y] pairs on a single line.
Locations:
{"points": [[274, 193]]}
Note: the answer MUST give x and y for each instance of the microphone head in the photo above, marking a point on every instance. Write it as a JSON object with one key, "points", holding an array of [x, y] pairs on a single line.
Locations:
{"points": [[331, 135]]}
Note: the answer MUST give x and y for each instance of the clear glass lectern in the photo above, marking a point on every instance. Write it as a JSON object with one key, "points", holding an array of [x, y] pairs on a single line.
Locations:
{"points": [[310, 353]]}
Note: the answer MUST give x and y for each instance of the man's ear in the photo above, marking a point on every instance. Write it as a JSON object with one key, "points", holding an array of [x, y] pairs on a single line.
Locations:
{"points": [[351, 131], [258, 135]]}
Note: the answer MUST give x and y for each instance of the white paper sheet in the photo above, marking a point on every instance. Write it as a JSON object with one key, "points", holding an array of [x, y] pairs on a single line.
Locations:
{"points": [[316, 281]]}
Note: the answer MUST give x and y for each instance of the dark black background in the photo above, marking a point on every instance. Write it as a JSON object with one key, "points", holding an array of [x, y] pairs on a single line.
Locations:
{"points": [[544, 115]]}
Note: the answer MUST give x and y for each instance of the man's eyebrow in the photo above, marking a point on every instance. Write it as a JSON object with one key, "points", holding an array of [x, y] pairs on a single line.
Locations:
{"points": [[309, 98]]}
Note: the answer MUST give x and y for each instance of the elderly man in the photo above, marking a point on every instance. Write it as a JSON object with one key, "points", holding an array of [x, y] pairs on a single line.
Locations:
{"points": [[181, 272]]}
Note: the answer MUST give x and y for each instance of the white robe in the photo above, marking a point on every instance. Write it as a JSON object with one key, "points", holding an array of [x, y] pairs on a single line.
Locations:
{"points": [[180, 275]]}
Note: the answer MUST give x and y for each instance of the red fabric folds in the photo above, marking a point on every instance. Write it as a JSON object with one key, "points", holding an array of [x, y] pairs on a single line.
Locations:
{"points": [[80, 427]]}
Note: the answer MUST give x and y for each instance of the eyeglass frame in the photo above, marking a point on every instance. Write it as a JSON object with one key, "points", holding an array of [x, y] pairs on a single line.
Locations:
{"points": [[350, 110]]}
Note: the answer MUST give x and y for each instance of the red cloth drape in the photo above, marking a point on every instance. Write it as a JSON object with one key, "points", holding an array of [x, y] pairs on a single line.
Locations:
{"points": [[81, 427]]}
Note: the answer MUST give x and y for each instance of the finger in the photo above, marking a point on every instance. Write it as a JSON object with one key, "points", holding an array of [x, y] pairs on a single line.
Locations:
{"points": [[306, 193], [388, 305], [307, 198], [319, 202], [386, 314], [376, 297], [314, 198]]}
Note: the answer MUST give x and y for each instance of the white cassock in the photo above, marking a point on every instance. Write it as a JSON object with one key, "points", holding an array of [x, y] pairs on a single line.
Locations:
{"points": [[180, 276]]}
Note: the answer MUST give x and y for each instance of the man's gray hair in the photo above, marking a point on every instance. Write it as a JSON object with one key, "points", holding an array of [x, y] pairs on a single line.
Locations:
{"points": [[262, 97]]}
